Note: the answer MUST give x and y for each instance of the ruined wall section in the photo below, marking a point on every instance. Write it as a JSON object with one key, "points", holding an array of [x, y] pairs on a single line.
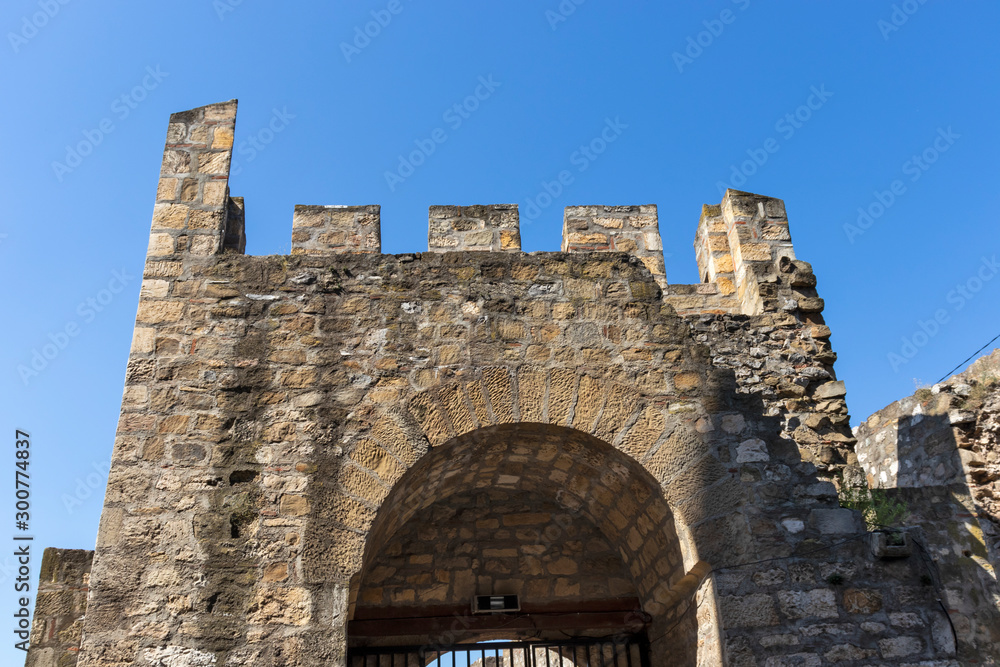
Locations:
{"points": [[760, 316], [940, 435], [782, 365], [826, 599], [63, 584], [938, 452]]}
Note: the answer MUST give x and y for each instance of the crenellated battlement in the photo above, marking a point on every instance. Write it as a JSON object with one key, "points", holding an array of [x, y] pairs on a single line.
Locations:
{"points": [[631, 229], [194, 215], [494, 228], [739, 245], [742, 245], [326, 229]]}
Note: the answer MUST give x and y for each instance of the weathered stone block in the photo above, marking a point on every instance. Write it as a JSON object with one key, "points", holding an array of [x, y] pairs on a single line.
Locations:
{"points": [[318, 230], [899, 647], [817, 603], [835, 521], [631, 229], [748, 611], [493, 228], [862, 601]]}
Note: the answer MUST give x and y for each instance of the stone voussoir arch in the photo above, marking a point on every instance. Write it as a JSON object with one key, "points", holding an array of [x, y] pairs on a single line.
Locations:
{"points": [[654, 427]]}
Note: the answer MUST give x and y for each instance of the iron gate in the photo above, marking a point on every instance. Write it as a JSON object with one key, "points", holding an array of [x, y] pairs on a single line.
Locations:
{"points": [[616, 652]]}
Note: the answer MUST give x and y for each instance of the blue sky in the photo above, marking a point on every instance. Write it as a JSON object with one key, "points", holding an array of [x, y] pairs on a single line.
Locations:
{"points": [[902, 125]]}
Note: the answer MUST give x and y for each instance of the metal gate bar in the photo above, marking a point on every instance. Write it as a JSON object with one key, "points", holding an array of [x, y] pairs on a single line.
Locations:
{"points": [[609, 652]]}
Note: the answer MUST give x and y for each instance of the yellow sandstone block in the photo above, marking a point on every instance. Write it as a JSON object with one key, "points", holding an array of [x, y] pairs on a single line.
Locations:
{"points": [[155, 312], [143, 340], [222, 137], [294, 505], [166, 189], [160, 244]]}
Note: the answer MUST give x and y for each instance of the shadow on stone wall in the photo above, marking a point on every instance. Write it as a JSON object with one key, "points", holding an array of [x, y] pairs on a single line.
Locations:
{"points": [[917, 451]]}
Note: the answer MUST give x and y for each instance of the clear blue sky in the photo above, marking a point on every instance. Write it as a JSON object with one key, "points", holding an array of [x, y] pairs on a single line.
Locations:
{"points": [[924, 87]]}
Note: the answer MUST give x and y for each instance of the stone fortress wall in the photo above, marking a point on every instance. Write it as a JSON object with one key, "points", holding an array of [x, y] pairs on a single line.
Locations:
{"points": [[333, 448]]}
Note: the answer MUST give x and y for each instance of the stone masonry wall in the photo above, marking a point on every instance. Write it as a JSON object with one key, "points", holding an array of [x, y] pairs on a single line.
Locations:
{"points": [[938, 451], [277, 409], [64, 581], [487, 542], [488, 228], [632, 229]]}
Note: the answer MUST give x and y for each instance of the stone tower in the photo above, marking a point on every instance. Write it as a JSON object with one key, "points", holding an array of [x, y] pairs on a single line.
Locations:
{"points": [[325, 455]]}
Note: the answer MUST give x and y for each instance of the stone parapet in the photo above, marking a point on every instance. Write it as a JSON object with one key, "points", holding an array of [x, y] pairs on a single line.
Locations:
{"points": [[335, 229], [192, 198], [492, 228], [631, 229]]}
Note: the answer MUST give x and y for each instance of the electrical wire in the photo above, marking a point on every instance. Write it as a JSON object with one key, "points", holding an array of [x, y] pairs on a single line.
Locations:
{"points": [[948, 374]]}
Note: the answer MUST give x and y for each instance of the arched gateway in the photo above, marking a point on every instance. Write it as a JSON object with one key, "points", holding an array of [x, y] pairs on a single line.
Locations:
{"points": [[337, 454], [447, 496], [577, 530]]}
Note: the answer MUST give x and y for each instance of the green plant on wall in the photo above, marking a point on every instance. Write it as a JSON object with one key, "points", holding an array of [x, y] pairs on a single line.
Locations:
{"points": [[879, 510]]}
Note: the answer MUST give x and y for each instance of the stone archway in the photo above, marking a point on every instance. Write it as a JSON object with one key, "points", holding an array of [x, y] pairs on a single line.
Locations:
{"points": [[578, 530], [645, 427]]}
